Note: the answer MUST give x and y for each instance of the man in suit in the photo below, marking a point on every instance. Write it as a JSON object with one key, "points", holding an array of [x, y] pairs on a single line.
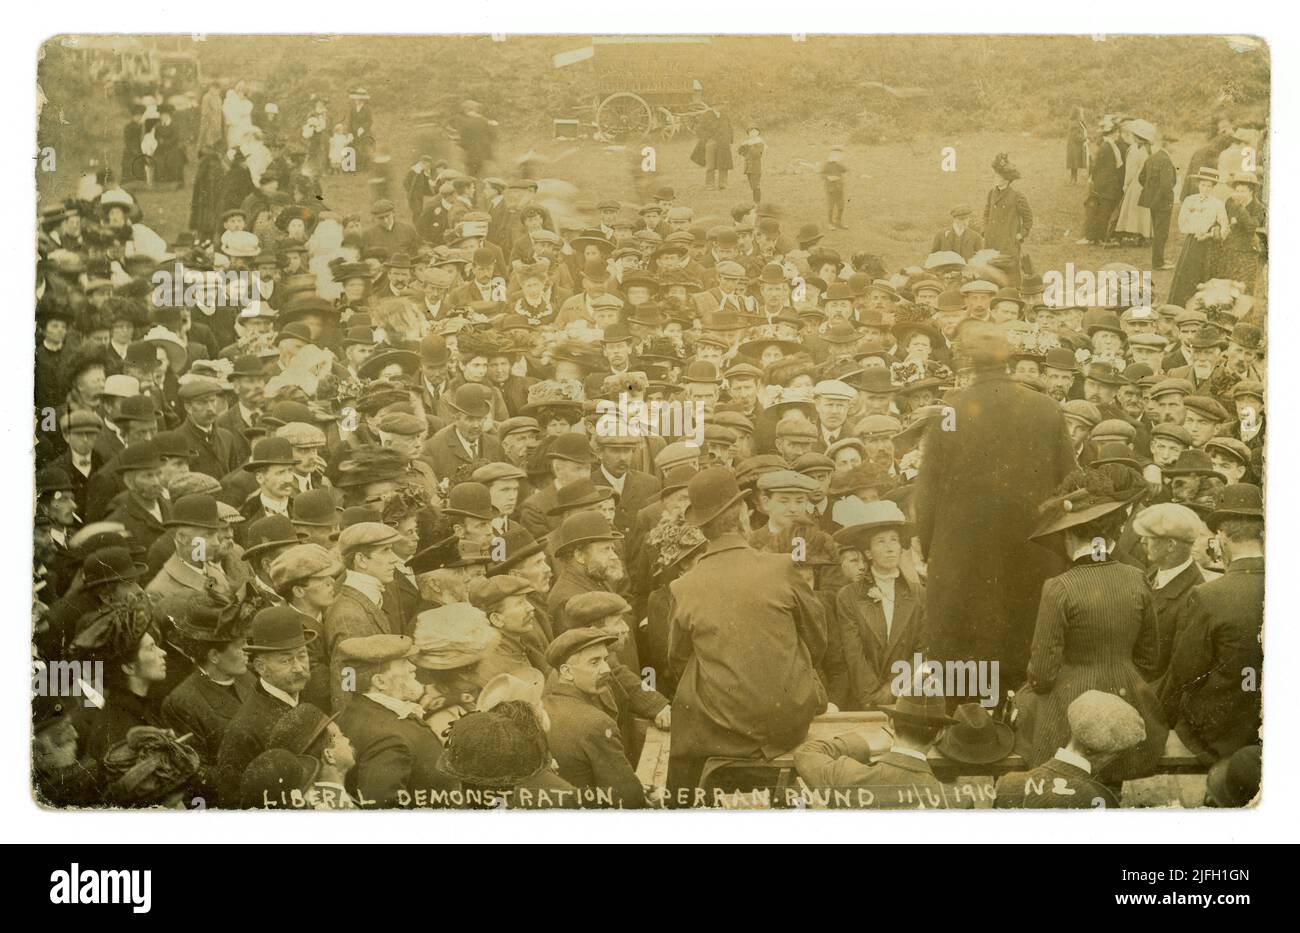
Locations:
{"points": [[249, 381], [983, 482], [144, 510], [587, 543], [464, 440], [206, 701], [745, 653], [216, 447], [1102, 726], [358, 610], [1212, 692], [389, 233], [80, 428], [1168, 532], [1158, 177], [277, 645], [634, 488], [958, 237], [901, 778], [569, 457], [1107, 184], [583, 738], [195, 567], [396, 752]]}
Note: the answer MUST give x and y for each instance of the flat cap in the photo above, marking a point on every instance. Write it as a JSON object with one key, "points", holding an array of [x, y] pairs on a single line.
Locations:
{"points": [[1248, 387], [1103, 722], [79, 420], [586, 609], [1230, 446], [364, 535], [573, 641], [796, 427], [787, 481], [486, 592], [1169, 520], [403, 423], [1113, 429], [199, 386], [833, 388], [377, 649], [1206, 407], [518, 425], [491, 472], [873, 425], [453, 636], [301, 434], [728, 269], [1082, 410], [813, 462], [1175, 432], [302, 561], [1154, 341]]}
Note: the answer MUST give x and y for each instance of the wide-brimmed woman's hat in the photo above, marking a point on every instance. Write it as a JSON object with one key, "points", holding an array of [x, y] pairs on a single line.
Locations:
{"points": [[1075, 508], [976, 738], [864, 519]]}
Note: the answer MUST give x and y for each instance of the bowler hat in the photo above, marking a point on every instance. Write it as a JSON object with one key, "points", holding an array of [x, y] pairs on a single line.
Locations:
{"points": [[297, 729], [470, 499], [519, 545], [587, 527], [195, 511], [1239, 500], [278, 628], [270, 532], [572, 447], [473, 399], [270, 451], [712, 492], [580, 494], [111, 565]]}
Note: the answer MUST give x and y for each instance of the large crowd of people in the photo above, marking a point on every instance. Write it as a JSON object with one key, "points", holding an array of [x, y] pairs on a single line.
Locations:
{"points": [[329, 512]]}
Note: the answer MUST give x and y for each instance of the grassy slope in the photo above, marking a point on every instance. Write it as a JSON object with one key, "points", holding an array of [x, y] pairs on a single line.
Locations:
{"points": [[986, 95]]}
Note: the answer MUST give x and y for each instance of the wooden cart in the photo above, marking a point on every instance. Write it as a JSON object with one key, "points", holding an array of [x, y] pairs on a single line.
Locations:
{"points": [[644, 85]]}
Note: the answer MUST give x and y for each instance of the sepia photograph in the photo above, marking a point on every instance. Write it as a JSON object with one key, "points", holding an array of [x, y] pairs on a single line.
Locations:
{"points": [[663, 422]]}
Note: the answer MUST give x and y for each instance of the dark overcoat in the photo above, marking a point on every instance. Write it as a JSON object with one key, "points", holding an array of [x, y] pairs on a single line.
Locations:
{"points": [[977, 500]]}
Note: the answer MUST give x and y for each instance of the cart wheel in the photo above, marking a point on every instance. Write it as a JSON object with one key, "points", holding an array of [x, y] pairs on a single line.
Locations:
{"points": [[624, 116]]}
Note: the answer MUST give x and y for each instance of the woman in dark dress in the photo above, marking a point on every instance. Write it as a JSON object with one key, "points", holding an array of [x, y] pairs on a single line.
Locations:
{"points": [[1237, 257], [1096, 627]]}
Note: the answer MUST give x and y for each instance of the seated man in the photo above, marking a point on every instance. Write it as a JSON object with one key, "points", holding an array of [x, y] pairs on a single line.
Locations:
{"points": [[1101, 727], [900, 779], [584, 739]]}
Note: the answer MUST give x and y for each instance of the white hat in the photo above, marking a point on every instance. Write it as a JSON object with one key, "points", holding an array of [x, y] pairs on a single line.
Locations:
{"points": [[121, 386], [1103, 722], [239, 244], [834, 388], [1169, 520]]}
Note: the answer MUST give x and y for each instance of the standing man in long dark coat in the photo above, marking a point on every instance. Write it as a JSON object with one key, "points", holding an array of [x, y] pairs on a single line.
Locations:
{"points": [[1157, 178], [999, 451], [1007, 216], [1107, 184], [477, 138]]}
